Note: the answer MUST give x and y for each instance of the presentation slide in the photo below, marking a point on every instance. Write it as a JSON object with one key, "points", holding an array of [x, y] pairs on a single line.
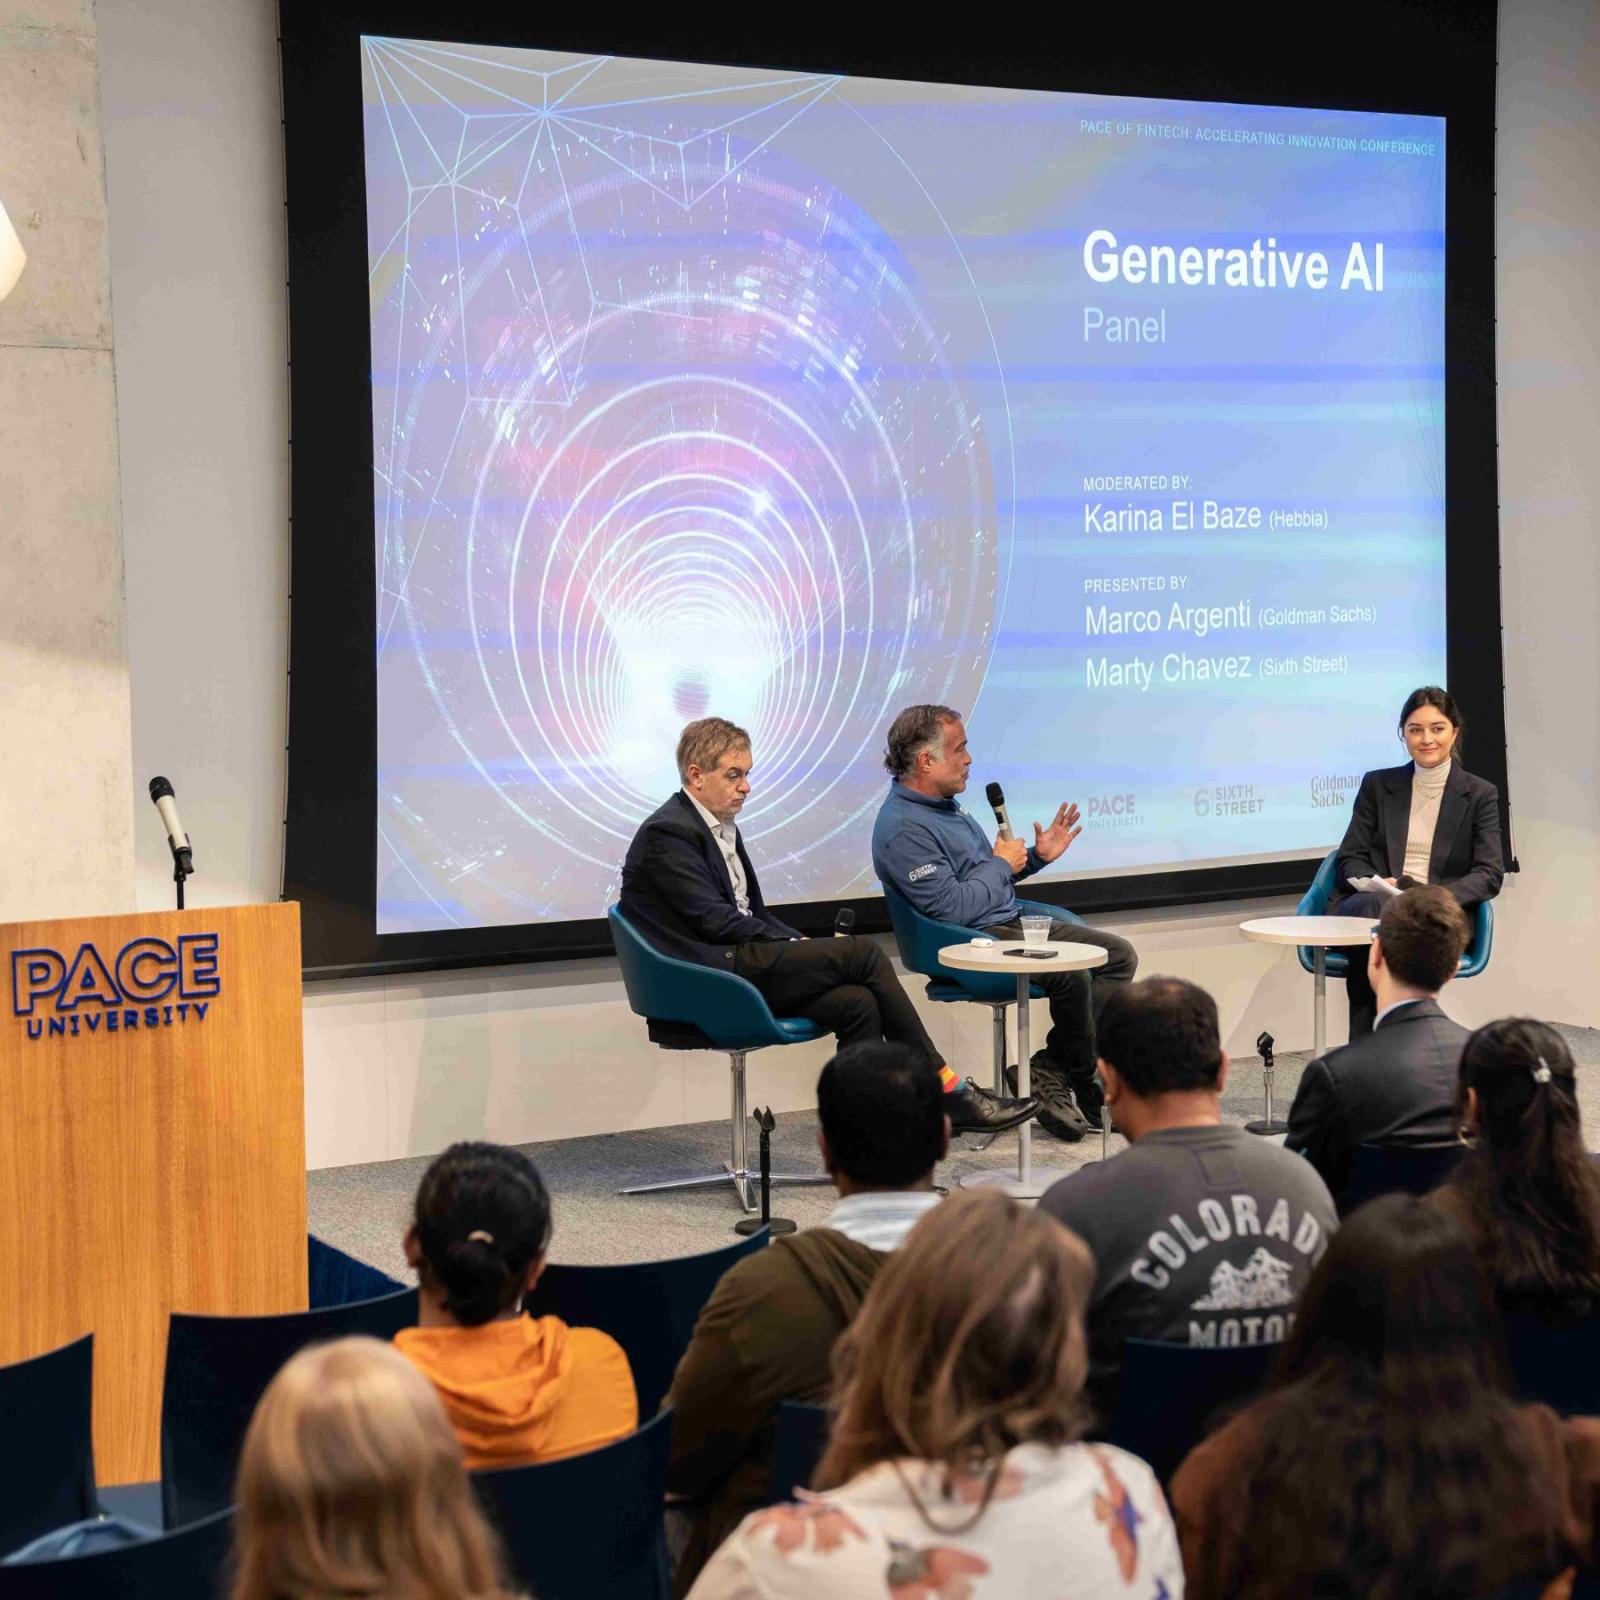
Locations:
{"points": [[1115, 424]]}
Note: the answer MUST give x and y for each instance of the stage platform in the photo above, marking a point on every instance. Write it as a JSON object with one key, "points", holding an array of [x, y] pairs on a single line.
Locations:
{"points": [[364, 1209]]}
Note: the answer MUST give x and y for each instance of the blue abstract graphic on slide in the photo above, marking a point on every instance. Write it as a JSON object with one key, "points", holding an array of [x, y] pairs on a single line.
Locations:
{"points": [[1116, 424]]}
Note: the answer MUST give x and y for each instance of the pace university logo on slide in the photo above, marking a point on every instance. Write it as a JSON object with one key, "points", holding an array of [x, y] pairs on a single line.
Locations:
{"points": [[148, 983]]}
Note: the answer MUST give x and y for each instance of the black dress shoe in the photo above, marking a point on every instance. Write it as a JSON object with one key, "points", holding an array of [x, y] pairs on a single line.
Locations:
{"points": [[1059, 1111], [972, 1109]]}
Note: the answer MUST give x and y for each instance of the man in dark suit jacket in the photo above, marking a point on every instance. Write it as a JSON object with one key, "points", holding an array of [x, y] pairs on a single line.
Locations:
{"points": [[1396, 1085], [688, 886]]}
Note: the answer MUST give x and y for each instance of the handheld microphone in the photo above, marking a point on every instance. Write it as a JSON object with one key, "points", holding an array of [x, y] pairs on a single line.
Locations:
{"points": [[167, 805], [997, 798], [843, 923]]}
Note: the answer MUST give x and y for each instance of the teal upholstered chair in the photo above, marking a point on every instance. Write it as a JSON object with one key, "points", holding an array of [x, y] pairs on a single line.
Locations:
{"points": [[691, 1007], [1315, 901]]}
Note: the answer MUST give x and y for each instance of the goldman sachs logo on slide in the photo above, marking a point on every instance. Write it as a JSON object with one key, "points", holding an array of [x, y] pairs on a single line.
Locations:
{"points": [[149, 983], [1334, 788]]}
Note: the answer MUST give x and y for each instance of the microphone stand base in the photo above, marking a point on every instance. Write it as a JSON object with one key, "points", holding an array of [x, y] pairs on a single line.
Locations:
{"points": [[751, 1225]]}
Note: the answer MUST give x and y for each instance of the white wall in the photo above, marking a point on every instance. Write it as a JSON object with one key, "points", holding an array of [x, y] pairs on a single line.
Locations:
{"points": [[400, 1066], [64, 814], [194, 168], [1547, 213]]}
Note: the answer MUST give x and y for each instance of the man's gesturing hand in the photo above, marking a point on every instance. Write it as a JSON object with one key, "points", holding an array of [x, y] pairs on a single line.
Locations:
{"points": [[1048, 843], [1013, 852]]}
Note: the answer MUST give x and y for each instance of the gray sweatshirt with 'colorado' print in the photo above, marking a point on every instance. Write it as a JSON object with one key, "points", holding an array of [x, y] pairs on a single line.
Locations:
{"points": [[1200, 1236]]}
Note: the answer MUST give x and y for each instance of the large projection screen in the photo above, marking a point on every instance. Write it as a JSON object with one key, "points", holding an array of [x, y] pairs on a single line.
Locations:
{"points": [[1117, 422]]}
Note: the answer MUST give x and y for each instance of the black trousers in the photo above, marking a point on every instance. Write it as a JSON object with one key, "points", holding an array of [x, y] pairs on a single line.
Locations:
{"points": [[1357, 985], [844, 985], [1075, 1001]]}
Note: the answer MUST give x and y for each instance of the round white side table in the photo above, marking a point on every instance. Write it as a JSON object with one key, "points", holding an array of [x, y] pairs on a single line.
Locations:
{"points": [[1005, 955], [1321, 934]]}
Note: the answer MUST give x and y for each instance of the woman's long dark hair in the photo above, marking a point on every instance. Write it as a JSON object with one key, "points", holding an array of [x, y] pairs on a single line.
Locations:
{"points": [[1530, 1192], [1391, 1465]]}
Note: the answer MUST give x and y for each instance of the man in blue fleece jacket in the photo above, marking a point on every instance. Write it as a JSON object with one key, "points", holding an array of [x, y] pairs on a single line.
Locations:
{"points": [[927, 847]]}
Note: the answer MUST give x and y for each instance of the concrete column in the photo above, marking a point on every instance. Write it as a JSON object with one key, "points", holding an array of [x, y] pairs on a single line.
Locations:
{"points": [[66, 796]]}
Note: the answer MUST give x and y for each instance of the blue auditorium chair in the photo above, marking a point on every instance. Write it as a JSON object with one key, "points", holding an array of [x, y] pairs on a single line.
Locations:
{"points": [[802, 1436], [920, 939], [1315, 901], [1557, 1364], [588, 1527], [47, 1466], [1170, 1395], [1399, 1169], [690, 1007], [187, 1565], [218, 1368], [649, 1307]]}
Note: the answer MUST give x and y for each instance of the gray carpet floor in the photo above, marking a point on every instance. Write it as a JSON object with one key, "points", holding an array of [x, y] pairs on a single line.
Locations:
{"points": [[364, 1209]]}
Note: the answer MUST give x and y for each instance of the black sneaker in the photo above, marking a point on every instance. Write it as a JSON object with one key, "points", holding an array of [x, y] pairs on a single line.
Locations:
{"points": [[1059, 1112], [972, 1109]]}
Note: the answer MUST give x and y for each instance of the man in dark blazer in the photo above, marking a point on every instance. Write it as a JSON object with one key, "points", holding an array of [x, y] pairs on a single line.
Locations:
{"points": [[1396, 1085], [688, 886]]}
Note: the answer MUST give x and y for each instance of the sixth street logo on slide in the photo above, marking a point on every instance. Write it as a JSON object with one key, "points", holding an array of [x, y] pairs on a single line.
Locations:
{"points": [[1228, 800]]}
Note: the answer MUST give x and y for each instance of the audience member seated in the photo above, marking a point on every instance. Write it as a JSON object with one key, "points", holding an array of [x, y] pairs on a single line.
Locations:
{"points": [[1397, 1084], [351, 1484], [1528, 1194], [768, 1330], [954, 1468], [517, 1389], [1387, 1459], [1202, 1234]]}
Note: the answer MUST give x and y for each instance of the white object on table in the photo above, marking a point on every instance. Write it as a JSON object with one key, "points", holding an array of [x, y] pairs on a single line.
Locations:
{"points": [[1029, 1182], [1376, 886]]}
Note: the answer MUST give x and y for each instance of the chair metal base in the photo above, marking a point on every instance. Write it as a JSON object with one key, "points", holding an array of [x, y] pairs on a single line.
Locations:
{"points": [[747, 1185], [736, 1170]]}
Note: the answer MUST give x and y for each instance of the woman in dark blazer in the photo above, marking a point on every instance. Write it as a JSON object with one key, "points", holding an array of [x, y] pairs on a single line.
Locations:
{"points": [[1430, 821]]}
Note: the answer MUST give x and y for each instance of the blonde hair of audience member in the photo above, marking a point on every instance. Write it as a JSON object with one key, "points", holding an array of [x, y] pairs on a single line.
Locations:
{"points": [[969, 1343], [351, 1483]]}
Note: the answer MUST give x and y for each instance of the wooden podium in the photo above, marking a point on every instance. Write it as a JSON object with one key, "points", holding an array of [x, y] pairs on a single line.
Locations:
{"points": [[152, 1143]]}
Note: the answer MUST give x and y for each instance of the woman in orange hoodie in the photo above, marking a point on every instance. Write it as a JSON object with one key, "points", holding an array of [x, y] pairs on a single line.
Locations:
{"points": [[517, 1389]]}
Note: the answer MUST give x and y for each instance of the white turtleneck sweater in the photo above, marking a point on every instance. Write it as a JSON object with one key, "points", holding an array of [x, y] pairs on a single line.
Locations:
{"points": [[1427, 790]]}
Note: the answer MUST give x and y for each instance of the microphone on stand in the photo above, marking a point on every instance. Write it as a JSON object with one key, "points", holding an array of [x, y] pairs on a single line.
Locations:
{"points": [[182, 854], [997, 799], [844, 923]]}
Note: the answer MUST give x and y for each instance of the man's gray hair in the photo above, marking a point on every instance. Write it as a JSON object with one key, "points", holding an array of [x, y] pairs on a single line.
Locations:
{"points": [[916, 729], [702, 742]]}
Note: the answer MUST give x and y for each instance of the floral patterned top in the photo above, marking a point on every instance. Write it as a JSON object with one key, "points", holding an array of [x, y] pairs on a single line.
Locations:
{"points": [[1085, 1522]]}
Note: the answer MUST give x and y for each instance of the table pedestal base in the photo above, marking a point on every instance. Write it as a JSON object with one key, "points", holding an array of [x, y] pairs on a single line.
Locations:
{"points": [[1027, 1182], [1035, 1185]]}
